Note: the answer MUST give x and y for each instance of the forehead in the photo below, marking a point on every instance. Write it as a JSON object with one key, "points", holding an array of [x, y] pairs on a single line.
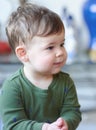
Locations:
{"points": [[50, 38]]}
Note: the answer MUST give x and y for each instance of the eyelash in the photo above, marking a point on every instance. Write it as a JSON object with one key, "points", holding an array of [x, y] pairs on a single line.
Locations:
{"points": [[62, 45], [51, 47]]}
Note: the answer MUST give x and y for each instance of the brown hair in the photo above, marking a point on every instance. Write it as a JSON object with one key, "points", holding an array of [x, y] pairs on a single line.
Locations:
{"points": [[30, 20]]}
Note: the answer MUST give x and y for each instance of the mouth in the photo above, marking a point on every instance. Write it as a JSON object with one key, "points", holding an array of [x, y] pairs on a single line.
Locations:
{"points": [[58, 63]]}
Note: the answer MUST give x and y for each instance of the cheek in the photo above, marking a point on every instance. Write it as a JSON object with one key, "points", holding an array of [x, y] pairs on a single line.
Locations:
{"points": [[45, 62], [42, 61], [65, 54]]}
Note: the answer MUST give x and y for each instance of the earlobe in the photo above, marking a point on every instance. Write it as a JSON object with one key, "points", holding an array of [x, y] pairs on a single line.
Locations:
{"points": [[21, 53]]}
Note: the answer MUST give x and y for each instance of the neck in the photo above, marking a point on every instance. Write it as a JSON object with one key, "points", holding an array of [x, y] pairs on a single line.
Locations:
{"points": [[40, 80]]}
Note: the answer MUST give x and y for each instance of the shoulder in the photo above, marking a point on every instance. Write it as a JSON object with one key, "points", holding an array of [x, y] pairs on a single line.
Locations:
{"points": [[12, 80], [15, 75], [63, 75], [65, 78]]}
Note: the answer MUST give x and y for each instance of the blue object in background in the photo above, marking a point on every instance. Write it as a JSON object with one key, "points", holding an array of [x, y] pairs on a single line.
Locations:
{"points": [[89, 13]]}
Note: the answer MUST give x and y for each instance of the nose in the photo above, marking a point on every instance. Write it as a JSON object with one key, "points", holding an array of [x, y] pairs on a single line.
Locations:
{"points": [[60, 52]]}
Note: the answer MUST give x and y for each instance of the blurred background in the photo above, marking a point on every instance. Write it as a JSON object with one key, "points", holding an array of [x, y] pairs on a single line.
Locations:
{"points": [[79, 18]]}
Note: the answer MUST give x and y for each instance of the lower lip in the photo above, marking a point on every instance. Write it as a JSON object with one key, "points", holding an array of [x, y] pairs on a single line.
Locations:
{"points": [[58, 64]]}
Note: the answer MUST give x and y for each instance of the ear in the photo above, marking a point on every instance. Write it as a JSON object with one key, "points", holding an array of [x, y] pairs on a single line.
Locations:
{"points": [[21, 53]]}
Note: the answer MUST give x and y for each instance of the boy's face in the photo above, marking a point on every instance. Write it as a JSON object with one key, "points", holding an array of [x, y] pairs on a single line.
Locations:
{"points": [[47, 54]]}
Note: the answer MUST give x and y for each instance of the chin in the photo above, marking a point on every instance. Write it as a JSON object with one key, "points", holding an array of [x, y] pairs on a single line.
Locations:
{"points": [[57, 71]]}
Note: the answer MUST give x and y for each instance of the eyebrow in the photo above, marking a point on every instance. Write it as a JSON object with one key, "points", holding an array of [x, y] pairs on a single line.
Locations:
{"points": [[56, 42]]}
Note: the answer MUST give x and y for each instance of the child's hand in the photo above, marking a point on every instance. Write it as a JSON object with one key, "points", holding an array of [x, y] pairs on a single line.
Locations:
{"points": [[59, 124], [62, 124]]}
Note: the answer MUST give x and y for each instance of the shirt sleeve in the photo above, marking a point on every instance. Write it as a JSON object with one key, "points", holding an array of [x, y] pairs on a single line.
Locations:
{"points": [[12, 110], [71, 107]]}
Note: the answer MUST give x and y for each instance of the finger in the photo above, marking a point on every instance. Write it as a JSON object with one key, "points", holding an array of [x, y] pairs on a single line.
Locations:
{"points": [[59, 122]]}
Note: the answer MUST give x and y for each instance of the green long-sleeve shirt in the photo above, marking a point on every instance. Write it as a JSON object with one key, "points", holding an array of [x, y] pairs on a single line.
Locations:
{"points": [[24, 106]]}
